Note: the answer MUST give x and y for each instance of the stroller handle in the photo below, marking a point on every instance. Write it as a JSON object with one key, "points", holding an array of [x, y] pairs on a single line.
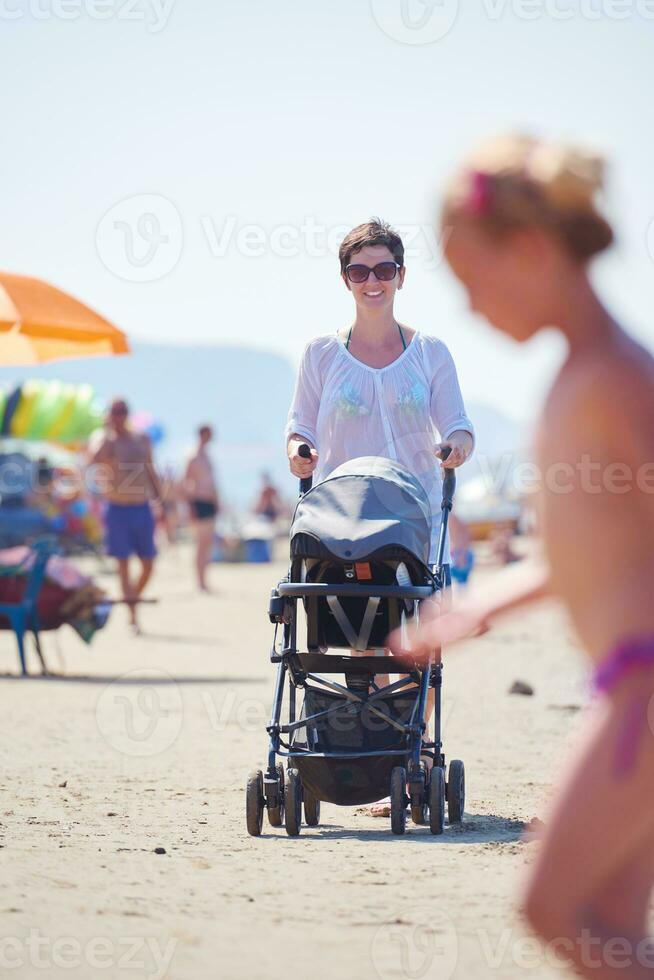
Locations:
{"points": [[449, 479], [449, 484], [305, 484]]}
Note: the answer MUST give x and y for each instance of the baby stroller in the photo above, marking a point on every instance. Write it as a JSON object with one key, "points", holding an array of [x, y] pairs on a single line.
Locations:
{"points": [[360, 544]]}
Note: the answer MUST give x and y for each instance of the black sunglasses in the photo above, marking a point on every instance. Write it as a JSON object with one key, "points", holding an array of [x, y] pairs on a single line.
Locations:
{"points": [[384, 271]]}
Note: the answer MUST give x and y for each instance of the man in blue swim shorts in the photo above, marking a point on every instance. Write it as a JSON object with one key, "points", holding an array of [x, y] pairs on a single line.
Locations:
{"points": [[126, 476]]}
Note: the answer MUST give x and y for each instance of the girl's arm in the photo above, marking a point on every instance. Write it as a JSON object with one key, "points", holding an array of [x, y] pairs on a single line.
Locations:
{"points": [[510, 589]]}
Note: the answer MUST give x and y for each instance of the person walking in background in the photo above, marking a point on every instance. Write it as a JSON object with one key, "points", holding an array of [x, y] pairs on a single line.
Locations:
{"points": [[126, 477], [202, 495]]}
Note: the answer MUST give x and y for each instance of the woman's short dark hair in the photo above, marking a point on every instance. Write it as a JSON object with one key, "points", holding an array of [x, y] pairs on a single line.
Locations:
{"points": [[373, 232]]}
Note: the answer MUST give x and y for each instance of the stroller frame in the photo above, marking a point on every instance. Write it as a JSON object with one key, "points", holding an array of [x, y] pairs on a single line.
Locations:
{"points": [[282, 794]]}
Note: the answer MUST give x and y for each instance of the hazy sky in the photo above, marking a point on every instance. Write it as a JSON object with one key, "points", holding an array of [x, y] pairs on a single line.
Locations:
{"points": [[185, 167]]}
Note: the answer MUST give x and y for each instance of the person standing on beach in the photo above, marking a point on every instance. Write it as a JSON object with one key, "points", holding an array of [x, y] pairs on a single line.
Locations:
{"points": [[202, 495], [126, 477], [268, 504], [523, 222]]}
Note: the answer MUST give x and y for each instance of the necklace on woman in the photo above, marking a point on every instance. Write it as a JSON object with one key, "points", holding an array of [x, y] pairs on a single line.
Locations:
{"points": [[349, 336]]}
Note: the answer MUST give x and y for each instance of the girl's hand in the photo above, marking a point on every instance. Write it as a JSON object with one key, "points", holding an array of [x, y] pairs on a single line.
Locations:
{"points": [[468, 619], [301, 467], [523, 583], [460, 444]]}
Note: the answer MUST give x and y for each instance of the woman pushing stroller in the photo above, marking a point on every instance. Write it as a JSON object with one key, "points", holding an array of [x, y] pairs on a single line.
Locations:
{"points": [[378, 387]]}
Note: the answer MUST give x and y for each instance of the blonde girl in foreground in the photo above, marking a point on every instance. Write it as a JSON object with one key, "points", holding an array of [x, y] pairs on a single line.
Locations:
{"points": [[523, 223]]}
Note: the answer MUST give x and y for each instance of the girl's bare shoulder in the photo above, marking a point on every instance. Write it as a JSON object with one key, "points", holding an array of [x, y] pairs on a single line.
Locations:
{"points": [[607, 389]]}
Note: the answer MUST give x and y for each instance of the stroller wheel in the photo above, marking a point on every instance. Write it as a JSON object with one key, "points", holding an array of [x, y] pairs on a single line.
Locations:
{"points": [[398, 800], [254, 803], [456, 791], [420, 814], [311, 810], [293, 803], [276, 813], [420, 811], [437, 800]]}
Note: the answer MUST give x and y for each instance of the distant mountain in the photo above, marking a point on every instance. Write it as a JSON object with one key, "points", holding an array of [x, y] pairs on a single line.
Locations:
{"points": [[244, 393]]}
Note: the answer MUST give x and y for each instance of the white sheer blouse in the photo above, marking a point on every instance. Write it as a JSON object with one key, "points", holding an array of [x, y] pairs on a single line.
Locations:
{"points": [[347, 409]]}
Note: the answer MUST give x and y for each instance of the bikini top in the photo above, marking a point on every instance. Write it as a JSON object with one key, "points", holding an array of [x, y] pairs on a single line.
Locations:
{"points": [[349, 337]]}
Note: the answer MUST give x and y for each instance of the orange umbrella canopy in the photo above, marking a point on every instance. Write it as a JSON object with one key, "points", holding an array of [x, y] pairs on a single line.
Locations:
{"points": [[41, 323]]}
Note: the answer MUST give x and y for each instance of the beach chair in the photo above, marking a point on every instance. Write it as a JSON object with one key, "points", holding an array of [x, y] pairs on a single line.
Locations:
{"points": [[23, 615]]}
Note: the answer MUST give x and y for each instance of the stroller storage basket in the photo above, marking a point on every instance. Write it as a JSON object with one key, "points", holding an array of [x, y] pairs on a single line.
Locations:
{"points": [[347, 755]]}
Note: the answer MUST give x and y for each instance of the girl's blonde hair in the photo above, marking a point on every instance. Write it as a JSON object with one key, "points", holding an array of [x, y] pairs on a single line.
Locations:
{"points": [[515, 181]]}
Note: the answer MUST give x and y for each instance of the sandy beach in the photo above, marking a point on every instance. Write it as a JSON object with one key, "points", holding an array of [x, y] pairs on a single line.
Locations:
{"points": [[144, 743]]}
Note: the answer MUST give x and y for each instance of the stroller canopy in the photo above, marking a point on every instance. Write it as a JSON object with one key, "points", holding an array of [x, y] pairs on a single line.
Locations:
{"points": [[363, 506]]}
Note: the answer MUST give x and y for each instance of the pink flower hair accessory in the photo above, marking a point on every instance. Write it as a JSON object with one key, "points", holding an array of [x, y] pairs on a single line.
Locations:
{"points": [[480, 195]]}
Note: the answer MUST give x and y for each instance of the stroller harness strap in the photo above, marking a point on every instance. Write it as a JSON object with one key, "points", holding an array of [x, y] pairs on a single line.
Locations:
{"points": [[357, 642]]}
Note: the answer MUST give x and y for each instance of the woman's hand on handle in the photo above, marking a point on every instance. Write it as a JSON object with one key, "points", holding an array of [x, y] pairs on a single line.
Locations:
{"points": [[460, 444], [301, 467]]}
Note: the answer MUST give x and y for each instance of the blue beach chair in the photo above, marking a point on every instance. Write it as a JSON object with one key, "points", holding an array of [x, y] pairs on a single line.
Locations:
{"points": [[23, 615]]}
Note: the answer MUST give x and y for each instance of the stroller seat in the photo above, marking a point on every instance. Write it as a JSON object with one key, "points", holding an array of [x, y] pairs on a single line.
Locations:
{"points": [[367, 524]]}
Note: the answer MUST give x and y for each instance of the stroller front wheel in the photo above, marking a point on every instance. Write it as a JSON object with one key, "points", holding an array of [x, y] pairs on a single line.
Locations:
{"points": [[276, 813], [293, 803], [398, 800], [437, 800], [254, 803], [456, 791], [311, 809]]}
